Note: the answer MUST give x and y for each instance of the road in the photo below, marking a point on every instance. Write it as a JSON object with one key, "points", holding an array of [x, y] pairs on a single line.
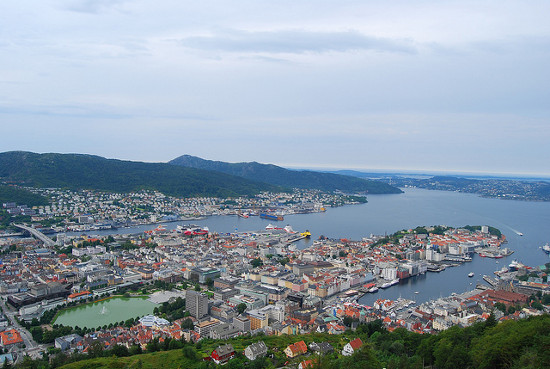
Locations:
{"points": [[31, 347], [48, 242]]}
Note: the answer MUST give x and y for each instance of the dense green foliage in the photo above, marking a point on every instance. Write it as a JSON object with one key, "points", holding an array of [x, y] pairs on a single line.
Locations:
{"points": [[171, 310], [492, 230], [20, 196], [510, 344], [273, 174], [75, 171]]}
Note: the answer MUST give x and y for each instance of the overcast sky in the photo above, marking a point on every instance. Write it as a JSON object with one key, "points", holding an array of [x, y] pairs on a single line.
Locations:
{"points": [[429, 85]]}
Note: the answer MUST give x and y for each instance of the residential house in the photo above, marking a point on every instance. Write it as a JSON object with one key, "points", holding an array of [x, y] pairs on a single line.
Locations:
{"points": [[64, 343], [255, 350], [295, 349], [321, 348], [223, 354], [352, 346], [307, 364]]}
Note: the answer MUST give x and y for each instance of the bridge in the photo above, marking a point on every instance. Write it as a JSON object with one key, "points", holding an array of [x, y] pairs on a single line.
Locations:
{"points": [[5, 235], [36, 233]]}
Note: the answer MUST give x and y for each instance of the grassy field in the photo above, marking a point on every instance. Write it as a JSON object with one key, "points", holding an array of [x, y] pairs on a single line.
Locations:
{"points": [[162, 360]]}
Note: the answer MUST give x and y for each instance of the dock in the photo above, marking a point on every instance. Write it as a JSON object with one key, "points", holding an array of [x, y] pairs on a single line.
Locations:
{"points": [[296, 239], [492, 281]]}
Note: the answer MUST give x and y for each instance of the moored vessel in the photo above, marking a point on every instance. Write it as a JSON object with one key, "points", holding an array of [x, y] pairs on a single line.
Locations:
{"points": [[271, 216]]}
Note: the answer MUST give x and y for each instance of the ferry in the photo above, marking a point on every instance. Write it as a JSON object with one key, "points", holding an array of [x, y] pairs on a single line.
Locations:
{"points": [[193, 230], [514, 266]]}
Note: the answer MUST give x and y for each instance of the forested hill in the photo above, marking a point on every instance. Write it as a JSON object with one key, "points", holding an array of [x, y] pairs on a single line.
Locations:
{"points": [[288, 178], [20, 196], [78, 171]]}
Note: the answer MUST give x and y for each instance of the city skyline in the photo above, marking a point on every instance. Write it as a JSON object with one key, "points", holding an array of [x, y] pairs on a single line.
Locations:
{"points": [[454, 87]]}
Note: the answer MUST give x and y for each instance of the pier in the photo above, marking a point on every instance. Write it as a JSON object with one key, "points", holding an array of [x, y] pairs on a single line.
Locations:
{"points": [[492, 281]]}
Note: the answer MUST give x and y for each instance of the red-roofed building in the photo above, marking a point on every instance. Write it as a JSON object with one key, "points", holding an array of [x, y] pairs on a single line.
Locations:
{"points": [[10, 338], [352, 346], [78, 296], [296, 349], [306, 364], [505, 297]]}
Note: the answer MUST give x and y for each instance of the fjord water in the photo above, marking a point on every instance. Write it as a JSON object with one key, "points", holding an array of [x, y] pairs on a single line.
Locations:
{"points": [[417, 207]]}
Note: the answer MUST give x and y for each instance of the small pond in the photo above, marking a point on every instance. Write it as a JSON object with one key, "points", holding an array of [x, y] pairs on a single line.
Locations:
{"points": [[105, 312]]}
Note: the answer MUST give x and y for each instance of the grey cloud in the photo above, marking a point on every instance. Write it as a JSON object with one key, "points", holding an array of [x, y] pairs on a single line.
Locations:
{"points": [[296, 42]]}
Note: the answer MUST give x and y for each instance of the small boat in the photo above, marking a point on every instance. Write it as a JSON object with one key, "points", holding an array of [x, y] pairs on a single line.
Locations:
{"points": [[546, 248], [471, 274], [306, 234], [416, 292]]}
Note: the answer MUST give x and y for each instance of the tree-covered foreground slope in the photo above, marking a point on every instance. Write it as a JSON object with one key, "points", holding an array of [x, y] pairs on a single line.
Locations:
{"points": [[510, 344], [78, 171], [289, 178]]}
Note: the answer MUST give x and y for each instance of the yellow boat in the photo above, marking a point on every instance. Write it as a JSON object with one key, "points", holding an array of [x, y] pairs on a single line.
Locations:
{"points": [[306, 234]]}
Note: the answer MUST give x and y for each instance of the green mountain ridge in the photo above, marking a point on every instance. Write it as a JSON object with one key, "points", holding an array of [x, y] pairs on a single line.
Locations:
{"points": [[276, 175], [81, 171]]}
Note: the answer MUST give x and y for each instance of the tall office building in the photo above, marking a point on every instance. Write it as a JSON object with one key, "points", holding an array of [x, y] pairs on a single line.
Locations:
{"points": [[196, 304]]}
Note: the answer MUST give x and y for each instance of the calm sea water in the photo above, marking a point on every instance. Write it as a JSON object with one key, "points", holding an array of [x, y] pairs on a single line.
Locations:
{"points": [[390, 213]]}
